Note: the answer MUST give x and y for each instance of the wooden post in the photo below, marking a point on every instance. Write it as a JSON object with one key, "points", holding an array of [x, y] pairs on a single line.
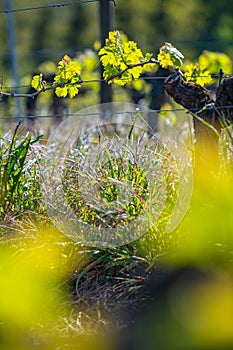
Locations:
{"points": [[106, 25], [12, 51]]}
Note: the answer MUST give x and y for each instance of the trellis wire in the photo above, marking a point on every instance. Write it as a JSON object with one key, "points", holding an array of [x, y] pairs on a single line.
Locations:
{"points": [[115, 113], [48, 6], [101, 80]]}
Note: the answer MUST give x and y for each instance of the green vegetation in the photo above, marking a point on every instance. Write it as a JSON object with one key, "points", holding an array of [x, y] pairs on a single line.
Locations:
{"points": [[57, 293], [40, 250], [41, 35], [124, 63], [66, 82], [19, 176]]}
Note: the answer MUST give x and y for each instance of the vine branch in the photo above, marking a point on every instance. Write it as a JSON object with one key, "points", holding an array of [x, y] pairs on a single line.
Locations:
{"points": [[131, 66], [36, 93]]}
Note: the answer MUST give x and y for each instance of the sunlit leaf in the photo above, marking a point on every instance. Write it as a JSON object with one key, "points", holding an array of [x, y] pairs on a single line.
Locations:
{"points": [[61, 91], [169, 56], [197, 74], [37, 82]]}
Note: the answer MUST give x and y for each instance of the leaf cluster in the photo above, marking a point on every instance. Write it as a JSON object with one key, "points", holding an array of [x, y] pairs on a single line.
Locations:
{"points": [[67, 80], [124, 63], [197, 74], [123, 57]]}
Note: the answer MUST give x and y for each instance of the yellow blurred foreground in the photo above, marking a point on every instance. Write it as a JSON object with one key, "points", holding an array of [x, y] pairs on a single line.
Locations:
{"points": [[191, 305], [34, 304]]}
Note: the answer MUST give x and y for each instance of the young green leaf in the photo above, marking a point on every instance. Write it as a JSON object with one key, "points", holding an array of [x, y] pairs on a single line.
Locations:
{"points": [[68, 79], [37, 82], [197, 74], [169, 56]]}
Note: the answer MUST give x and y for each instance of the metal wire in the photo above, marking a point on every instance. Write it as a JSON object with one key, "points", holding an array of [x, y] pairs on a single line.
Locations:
{"points": [[115, 113], [102, 80], [48, 6]]}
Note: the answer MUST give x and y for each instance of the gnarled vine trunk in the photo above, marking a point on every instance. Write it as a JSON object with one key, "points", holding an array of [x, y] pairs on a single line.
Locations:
{"points": [[197, 99]]}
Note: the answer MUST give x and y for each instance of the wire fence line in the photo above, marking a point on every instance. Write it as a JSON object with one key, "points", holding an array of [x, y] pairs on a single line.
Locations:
{"points": [[102, 80], [210, 107], [60, 5]]}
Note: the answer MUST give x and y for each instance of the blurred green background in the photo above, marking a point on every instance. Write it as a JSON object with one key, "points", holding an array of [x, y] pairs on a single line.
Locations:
{"points": [[47, 35]]}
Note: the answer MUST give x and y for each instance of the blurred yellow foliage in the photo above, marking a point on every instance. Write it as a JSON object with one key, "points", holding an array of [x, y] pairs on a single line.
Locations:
{"points": [[34, 303]]}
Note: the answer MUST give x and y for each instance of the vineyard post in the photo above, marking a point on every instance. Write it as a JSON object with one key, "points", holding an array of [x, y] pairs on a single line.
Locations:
{"points": [[106, 25], [12, 46]]}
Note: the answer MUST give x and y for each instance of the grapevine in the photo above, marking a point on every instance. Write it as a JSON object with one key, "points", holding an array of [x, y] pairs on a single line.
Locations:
{"points": [[124, 63]]}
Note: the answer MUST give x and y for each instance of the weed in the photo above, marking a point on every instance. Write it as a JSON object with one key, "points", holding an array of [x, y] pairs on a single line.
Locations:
{"points": [[19, 182]]}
